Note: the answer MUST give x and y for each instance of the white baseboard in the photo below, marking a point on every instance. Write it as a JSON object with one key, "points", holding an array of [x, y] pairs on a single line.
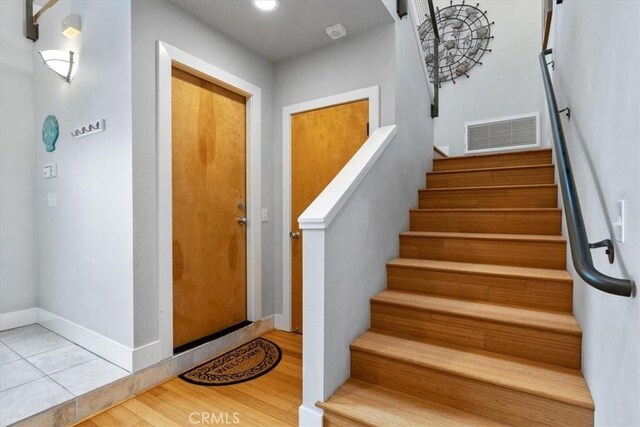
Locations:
{"points": [[16, 319], [131, 359], [146, 355], [445, 149], [278, 322], [113, 351], [310, 417]]}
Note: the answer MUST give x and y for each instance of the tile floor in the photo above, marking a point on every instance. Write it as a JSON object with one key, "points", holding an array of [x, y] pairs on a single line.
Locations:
{"points": [[40, 369]]}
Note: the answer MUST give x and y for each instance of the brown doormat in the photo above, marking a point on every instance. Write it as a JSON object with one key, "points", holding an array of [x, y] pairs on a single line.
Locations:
{"points": [[241, 364]]}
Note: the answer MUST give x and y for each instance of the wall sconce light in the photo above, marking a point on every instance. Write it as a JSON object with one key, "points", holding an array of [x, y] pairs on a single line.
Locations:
{"points": [[71, 26], [59, 61]]}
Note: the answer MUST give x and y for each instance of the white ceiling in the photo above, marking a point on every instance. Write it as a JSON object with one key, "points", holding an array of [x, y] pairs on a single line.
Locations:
{"points": [[295, 27]]}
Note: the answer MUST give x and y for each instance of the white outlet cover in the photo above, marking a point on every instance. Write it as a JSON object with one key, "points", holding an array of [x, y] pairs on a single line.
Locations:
{"points": [[265, 215], [52, 199]]}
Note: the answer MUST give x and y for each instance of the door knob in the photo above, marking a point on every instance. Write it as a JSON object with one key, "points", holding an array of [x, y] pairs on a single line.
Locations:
{"points": [[242, 220], [294, 235]]}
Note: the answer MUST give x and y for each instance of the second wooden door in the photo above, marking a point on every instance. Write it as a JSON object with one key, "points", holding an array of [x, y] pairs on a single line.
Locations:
{"points": [[322, 142], [209, 231]]}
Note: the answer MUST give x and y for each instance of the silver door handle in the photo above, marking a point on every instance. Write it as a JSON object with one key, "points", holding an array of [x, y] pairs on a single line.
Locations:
{"points": [[294, 235], [242, 220]]}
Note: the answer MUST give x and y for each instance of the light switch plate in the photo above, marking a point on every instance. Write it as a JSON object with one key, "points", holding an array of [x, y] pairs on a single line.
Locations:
{"points": [[265, 215], [50, 170]]}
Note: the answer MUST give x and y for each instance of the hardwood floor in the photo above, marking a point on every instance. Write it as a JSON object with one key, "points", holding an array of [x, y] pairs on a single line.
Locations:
{"points": [[270, 400]]}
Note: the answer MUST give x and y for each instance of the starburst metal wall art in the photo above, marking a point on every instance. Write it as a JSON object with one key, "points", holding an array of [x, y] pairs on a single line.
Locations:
{"points": [[465, 33]]}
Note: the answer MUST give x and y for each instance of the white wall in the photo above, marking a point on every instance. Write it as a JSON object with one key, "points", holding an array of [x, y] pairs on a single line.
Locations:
{"points": [[378, 213], [363, 60], [597, 74], [18, 276], [85, 243], [162, 20], [350, 255], [508, 82]]}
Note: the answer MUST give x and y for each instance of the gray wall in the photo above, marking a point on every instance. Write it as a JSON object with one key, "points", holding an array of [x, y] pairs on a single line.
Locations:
{"points": [[363, 60], [597, 74], [507, 83], [377, 213], [18, 276], [162, 20], [84, 243]]}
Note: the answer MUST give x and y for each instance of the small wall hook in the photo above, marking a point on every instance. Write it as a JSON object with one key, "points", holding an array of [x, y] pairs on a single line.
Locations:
{"points": [[91, 128]]}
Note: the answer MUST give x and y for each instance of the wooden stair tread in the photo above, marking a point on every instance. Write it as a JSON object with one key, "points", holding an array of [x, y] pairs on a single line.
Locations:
{"points": [[497, 169], [559, 384], [491, 187], [511, 158], [538, 319], [485, 236], [371, 404], [485, 269], [501, 154], [453, 210]]}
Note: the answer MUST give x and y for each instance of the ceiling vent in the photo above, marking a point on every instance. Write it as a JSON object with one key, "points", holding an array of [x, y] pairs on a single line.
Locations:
{"points": [[502, 134], [336, 31]]}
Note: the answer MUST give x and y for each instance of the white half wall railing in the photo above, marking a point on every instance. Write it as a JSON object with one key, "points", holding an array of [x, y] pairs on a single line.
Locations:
{"points": [[320, 376]]}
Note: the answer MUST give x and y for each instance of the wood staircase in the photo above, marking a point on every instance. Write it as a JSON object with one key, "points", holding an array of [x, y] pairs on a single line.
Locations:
{"points": [[475, 327]]}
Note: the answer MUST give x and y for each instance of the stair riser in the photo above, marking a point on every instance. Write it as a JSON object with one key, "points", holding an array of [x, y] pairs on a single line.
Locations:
{"points": [[478, 198], [537, 222], [538, 157], [550, 347], [523, 292], [493, 401], [484, 178], [484, 251]]}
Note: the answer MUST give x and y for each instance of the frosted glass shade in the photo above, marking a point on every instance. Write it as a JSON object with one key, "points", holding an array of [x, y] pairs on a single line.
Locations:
{"points": [[59, 61]]}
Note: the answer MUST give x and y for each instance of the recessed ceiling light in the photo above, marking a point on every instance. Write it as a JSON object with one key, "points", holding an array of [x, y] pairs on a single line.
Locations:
{"points": [[267, 5]]}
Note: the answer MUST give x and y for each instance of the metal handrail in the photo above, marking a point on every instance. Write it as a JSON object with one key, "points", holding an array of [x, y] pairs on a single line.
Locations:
{"points": [[580, 247], [435, 103]]}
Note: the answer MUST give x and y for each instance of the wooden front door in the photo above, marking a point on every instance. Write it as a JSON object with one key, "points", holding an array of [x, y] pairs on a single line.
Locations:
{"points": [[322, 142], [209, 200]]}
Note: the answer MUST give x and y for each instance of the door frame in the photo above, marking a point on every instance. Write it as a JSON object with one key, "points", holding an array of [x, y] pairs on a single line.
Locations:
{"points": [[168, 56], [371, 93]]}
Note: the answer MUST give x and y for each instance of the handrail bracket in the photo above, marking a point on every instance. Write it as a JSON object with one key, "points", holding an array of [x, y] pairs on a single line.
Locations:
{"points": [[606, 243], [567, 112]]}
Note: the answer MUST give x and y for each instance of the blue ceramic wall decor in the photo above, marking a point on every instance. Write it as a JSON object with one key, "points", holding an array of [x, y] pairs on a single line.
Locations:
{"points": [[50, 132]]}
